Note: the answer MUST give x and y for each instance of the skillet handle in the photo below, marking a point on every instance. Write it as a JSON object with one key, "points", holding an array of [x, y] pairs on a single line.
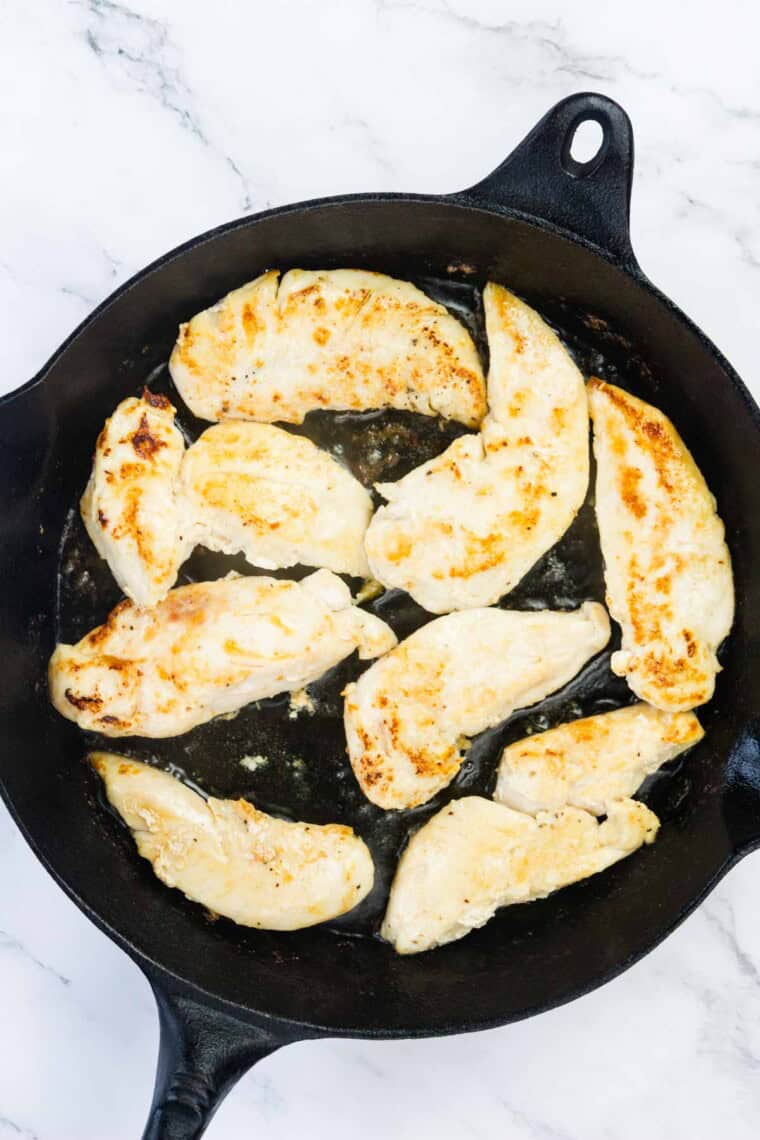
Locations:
{"points": [[590, 200], [202, 1053]]}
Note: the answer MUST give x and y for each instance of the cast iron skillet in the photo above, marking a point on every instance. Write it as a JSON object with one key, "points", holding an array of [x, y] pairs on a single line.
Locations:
{"points": [[556, 232]]}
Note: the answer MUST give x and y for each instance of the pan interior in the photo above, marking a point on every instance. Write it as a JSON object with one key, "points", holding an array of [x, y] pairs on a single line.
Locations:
{"points": [[293, 763]]}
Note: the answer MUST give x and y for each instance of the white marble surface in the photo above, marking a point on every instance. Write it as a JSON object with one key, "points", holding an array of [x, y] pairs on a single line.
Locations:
{"points": [[127, 128]]}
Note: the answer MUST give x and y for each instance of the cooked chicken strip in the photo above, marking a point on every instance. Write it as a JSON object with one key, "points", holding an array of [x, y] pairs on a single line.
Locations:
{"points": [[276, 497], [341, 339], [592, 762], [129, 506], [475, 856], [407, 715], [208, 649], [666, 563], [464, 528], [237, 861], [243, 488]]}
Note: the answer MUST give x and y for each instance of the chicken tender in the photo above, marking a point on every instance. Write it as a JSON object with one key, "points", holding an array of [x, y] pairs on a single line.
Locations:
{"points": [[592, 762], [344, 339], [406, 717], [276, 498], [241, 488], [666, 564], [464, 528], [209, 649], [130, 506], [239, 862], [475, 856]]}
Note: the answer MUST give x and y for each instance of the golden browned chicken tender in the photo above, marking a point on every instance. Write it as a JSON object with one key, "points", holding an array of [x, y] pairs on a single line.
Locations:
{"points": [[591, 762], [344, 339], [209, 649], [666, 564], [475, 856], [241, 488], [464, 528], [130, 506], [239, 862], [275, 497], [406, 717]]}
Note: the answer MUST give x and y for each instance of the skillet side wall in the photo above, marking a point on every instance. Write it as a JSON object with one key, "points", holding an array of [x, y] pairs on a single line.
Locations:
{"points": [[530, 958]]}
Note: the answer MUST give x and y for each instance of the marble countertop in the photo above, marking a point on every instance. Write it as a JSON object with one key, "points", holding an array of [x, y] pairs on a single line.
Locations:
{"points": [[128, 128]]}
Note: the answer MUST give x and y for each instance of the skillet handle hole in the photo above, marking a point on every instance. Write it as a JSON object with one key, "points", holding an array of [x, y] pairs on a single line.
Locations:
{"points": [[585, 146]]}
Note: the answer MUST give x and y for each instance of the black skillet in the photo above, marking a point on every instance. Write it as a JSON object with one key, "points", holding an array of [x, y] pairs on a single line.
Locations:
{"points": [[556, 232]]}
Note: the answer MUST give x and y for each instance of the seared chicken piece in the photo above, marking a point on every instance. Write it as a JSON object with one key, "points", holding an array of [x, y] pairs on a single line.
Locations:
{"points": [[129, 506], [208, 649], [237, 861], [475, 856], [666, 563], [341, 339], [592, 762], [406, 717], [243, 488], [276, 497], [464, 528]]}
